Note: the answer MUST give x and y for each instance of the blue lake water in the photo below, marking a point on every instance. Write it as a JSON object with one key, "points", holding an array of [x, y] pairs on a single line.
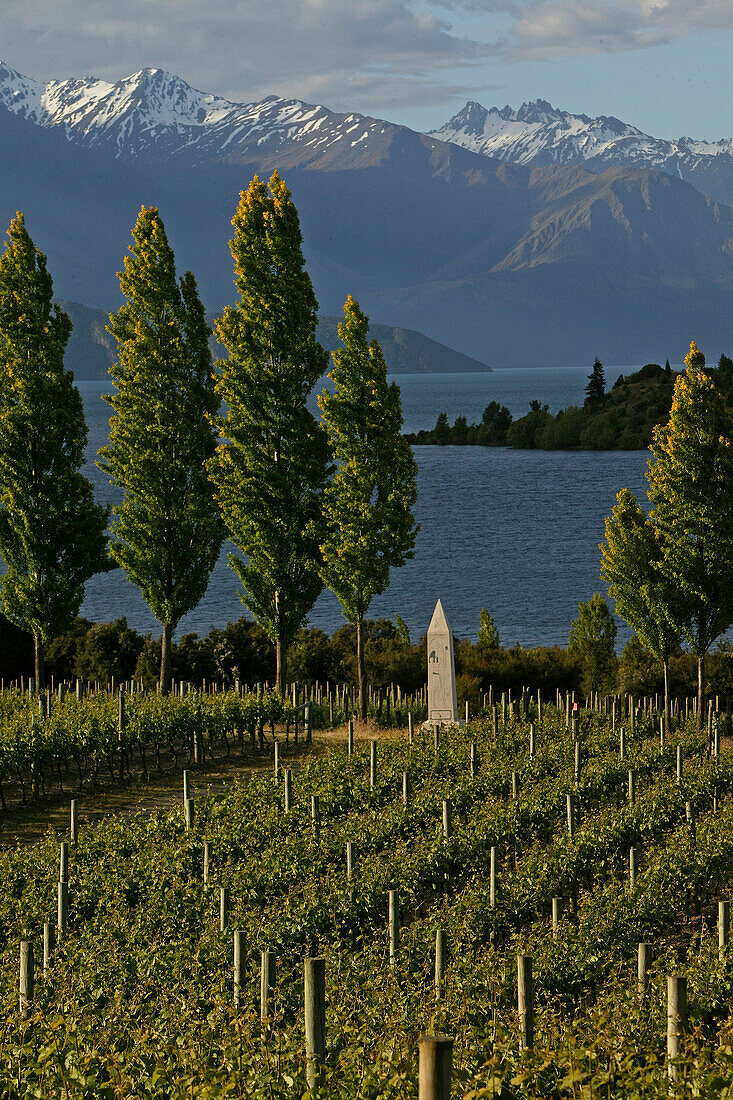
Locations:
{"points": [[514, 531]]}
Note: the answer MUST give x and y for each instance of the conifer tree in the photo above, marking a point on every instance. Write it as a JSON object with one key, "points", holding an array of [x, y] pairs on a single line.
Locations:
{"points": [[596, 388], [632, 567], [52, 534], [167, 531], [370, 527], [272, 463], [691, 488]]}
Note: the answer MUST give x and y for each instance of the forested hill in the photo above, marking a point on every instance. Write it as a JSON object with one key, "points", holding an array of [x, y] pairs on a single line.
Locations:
{"points": [[91, 349], [619, 420]]}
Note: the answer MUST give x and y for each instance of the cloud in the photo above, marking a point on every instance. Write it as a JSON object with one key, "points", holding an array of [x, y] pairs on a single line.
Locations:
{"points": [[369, 54], [545, 29]]}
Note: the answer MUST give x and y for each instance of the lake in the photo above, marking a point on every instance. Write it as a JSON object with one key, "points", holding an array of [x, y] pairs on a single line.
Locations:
{"points": [[516, 532]]}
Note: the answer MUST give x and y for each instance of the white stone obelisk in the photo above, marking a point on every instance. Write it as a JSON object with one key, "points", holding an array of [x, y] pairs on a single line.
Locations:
{"points": [[442, 700]]}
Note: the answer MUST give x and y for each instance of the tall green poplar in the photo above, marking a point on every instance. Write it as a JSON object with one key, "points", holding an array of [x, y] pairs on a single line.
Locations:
{"points": [[631, 565], [52, 534], [272, 463], [167, 531], [691, 488], [369, 525]]}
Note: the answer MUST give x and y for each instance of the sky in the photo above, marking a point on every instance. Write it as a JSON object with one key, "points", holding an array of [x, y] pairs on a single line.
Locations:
{"points": [[659, 64]]}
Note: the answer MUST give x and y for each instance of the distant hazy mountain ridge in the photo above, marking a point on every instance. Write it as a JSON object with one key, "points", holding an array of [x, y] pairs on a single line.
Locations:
{"points": [[540, 134], [92, 349]]}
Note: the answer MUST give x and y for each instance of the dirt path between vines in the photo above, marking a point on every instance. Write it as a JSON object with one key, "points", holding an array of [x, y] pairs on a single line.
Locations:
{"points": [[27, 824]]}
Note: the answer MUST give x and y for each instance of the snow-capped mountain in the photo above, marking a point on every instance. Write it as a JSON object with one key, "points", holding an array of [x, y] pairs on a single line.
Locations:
{"points": [[154, 112], [540, 134], [510, 263]]}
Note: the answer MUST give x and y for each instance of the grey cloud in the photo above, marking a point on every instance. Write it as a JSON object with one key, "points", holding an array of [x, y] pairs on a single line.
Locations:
{"points": [[539, 29], [385, 51]]}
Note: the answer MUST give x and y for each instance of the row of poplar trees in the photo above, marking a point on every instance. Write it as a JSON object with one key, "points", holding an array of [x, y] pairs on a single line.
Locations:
{"points": [[670, 569], [304, 502]]}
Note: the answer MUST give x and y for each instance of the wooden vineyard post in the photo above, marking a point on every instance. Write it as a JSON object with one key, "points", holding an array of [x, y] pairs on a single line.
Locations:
{"points": [[632, 787], [315, 1020], [405, 789], [394, 926], [268, 963], [676, 1020], [644, 962], [436, 1067], [240, 959], [74, 821], [223, 908], [632, 867], [723, 925], [189, 812], [62, 908], [690, 815], [441, 957], [350, 738], [492, 877], [373, 765], [350, 859], [525, 1001], [288, 790], [447, 821], [622, 743], [186, 786], [49, 943], [26, 977], [556, 914], [208, 859], [473, 763], [64, 862], [531, 741]]}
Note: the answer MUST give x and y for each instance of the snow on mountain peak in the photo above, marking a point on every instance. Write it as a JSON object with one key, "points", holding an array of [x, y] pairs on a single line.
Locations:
{"points": [[538, 133]]}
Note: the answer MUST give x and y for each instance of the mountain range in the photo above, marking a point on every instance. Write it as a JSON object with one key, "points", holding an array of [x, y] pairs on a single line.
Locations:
{"points": [[523, 257], [540, 134]]}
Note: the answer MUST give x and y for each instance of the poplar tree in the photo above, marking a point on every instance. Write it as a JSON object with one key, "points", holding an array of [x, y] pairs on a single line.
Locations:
{"points": [[52, 534], [272, 463], [691, 488], [632, 567], [167, 532], [369, 523]]}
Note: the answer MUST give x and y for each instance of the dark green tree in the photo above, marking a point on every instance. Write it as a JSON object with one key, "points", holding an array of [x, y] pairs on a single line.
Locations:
{"points": [[632, 567], [488, 635], [370, 528], [596, 389], [52, 534], [593, 641], [167, 532], [691, 489], [272, 465]]}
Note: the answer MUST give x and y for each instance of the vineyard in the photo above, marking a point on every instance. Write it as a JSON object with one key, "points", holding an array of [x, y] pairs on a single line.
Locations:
{"points": [[298, 936]]}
